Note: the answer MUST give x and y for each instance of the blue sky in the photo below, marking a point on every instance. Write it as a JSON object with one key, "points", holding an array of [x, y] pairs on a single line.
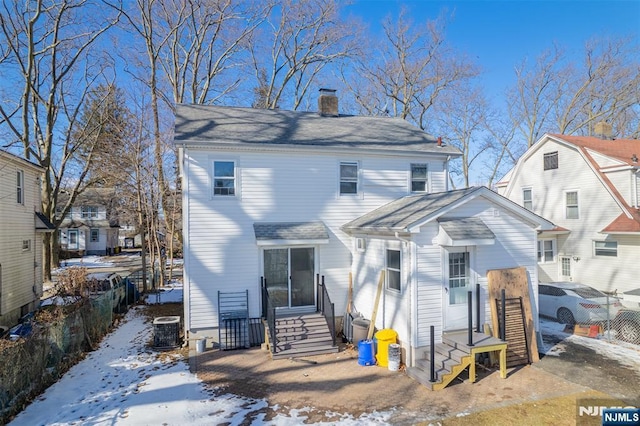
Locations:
{"points": [[500, 34]]}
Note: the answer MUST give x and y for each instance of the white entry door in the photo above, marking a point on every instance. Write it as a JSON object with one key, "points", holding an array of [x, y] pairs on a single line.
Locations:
{"points": [[458, 282]]}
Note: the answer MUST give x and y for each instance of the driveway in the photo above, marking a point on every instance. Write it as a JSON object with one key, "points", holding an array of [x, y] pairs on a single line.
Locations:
{"points": [[609, 367]]}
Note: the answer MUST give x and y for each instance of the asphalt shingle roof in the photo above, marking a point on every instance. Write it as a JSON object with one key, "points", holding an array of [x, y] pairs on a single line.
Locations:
{"points": [[404, 212], [290, 231], [467, 228], [207, 124]]}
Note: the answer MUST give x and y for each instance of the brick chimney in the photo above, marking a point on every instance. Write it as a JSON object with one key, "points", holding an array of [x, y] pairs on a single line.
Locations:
{"points": [[328, 103], [603, 130]]}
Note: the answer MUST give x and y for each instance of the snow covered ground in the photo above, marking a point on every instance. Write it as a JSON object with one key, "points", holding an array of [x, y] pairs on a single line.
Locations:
{"points": [[554, 337], [125, 382]]}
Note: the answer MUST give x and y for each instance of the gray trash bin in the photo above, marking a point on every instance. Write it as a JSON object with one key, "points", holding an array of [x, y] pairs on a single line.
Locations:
{"points": [[360, 329]]}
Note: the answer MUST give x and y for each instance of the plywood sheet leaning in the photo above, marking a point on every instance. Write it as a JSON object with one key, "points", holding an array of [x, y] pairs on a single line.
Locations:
{"points": [[515, 283]]}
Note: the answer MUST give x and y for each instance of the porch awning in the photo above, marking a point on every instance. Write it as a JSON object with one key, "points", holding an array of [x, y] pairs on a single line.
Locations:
{"points": [[468, 231], [43, 224], [290, 233]]}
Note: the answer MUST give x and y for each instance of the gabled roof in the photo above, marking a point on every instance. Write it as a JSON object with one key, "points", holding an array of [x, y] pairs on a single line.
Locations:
{"points": [[19, 160], [625, 152], [207, 125], [90, 197], [408, 214], [620, 149]]}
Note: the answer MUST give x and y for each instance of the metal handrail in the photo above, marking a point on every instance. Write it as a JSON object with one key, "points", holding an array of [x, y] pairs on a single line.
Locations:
{"points": [[269, 314], [326, 307]]}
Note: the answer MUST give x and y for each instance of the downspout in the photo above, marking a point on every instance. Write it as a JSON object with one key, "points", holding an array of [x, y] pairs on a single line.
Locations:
{"points": [[411, 300], [636, 203]]}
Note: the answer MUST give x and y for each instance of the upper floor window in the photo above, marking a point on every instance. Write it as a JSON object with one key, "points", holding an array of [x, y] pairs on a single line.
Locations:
{"points": [[348, 178], [394, 270], [545, 251], [20, 187], [606, 248], [527, 198], [224, 178], [551, 160], [418, 178], [89, 212], [571, 205], [26, 245], [95, 235]]}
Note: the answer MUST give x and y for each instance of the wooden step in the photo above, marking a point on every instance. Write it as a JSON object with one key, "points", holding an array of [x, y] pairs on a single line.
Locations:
{"points": [[304, 352], [300, 335]]}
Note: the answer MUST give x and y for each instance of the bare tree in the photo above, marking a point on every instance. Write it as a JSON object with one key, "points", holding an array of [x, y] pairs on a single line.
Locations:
{"points": [[51, 48], [461, 115], [300, 39], [408, 70], [556, 95]]}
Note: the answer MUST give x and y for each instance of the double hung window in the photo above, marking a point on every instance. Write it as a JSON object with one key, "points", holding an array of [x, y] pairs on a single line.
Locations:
{"points": [[348, 178], [224, 178], [419, 178]]}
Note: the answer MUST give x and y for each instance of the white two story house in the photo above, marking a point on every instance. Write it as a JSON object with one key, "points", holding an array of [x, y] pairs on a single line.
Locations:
{"points": [[282, 197], [590, 188], [91, 227], [21, 228]]}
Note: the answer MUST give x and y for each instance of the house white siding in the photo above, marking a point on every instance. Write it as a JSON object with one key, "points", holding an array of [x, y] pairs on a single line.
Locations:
{"points": [[221, 253], [514, 246], [430, 285], [20, 245], [598, 208], [394, 310], [90, 214]]}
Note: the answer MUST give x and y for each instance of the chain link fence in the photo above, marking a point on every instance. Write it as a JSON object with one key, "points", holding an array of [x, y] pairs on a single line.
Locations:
{"points": [[59, 337], [591, 312]]}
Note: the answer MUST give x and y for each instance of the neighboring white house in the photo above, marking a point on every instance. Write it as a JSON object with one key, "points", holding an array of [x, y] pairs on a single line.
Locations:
{"points": [[589, 187], [91, 227], [21, 228], [283, 196]]}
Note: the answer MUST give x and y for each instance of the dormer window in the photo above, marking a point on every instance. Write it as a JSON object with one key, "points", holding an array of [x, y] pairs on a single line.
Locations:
{"points": [[551, 160]]}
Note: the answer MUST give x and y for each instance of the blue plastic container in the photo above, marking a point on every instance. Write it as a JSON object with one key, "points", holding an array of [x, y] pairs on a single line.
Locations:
{"points": [[365, 353]]}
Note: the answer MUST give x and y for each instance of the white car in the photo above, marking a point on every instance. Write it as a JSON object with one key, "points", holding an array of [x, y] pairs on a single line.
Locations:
{"points": [[572, 303]]}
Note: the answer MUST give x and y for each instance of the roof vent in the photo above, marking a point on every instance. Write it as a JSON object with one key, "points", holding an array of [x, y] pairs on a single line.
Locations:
{"points": [[328, 103], [603, 130]]}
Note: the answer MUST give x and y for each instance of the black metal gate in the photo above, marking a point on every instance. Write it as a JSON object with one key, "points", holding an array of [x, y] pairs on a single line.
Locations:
{"points": [[233, 320]]}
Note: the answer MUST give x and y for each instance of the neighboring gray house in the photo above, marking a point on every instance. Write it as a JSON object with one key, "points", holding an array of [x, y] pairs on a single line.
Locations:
{"points": [[91, 227], [21, 228], [282, 197]]}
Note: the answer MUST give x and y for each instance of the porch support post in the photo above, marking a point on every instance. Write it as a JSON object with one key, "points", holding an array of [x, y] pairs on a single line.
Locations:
{"points": [[503, 315], [432, 355], [470, 317], [478, 326]]}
